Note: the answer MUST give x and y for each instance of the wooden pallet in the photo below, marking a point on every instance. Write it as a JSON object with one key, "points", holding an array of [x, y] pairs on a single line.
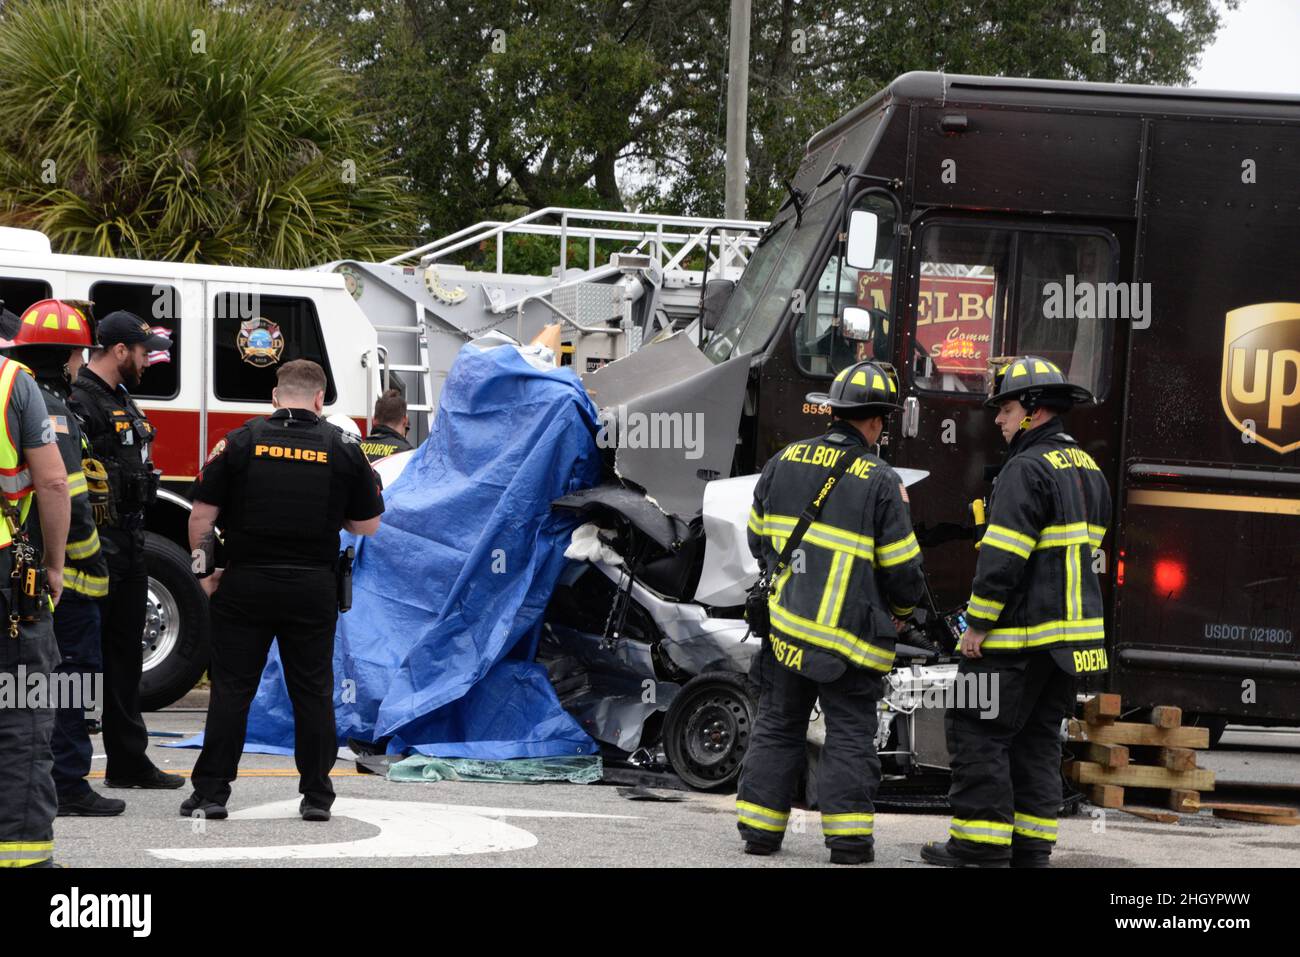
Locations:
{"points": [[1113, 757]]}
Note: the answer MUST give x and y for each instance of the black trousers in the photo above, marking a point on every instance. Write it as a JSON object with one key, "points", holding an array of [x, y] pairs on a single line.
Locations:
{"points": [[849, 773], [122, 616], [1006, 769], [252, 607], [27, 799], [76, 626]]}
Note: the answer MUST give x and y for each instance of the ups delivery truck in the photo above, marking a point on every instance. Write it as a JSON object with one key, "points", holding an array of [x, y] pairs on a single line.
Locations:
{"points": [[1145, 240]]}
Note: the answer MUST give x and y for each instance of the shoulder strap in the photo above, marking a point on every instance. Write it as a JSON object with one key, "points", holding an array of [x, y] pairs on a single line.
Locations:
{"points": [[813, 509]]}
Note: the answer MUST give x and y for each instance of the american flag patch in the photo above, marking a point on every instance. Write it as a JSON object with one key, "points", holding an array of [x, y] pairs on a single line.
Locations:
{"points": [[60, 423], [162, 355]]}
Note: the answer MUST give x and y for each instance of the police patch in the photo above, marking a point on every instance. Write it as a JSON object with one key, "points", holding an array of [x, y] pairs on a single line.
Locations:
{"points": [[216, 450]]}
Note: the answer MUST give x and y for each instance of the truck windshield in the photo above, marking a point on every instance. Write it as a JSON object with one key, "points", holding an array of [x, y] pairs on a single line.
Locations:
{"points": [[763, 293]]}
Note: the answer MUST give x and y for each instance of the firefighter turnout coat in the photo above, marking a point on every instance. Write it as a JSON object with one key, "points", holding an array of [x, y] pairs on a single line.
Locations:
{"points": [[860, 561], [1034, 587]]}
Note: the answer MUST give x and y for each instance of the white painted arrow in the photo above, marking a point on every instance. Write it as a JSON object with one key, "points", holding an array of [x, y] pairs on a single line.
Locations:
{"points": [[406, 829]]}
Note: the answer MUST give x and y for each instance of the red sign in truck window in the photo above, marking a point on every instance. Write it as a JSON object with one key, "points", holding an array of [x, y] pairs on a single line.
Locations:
{"points": [[954, 317]]}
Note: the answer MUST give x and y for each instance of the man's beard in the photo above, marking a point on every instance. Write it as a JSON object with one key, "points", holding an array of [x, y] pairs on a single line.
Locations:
{"points": [[130, 376]]}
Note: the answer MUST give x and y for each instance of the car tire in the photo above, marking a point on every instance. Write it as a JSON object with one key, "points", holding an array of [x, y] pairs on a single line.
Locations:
{"points": [[175, 643], [707, 730]]}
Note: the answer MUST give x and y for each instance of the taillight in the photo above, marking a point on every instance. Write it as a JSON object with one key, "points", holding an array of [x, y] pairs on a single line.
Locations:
{"points": [[1170, 577], [1119, 569]]}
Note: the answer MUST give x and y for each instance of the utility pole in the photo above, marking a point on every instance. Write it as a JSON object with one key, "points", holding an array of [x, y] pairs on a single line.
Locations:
{"points": [[737, 107]]}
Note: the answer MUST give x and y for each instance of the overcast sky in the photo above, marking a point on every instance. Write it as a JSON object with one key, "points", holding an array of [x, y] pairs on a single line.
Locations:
{"points": [[1256, 49]]}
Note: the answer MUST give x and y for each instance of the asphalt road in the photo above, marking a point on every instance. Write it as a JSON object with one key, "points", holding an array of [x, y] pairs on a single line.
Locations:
{"points": [[459, 824]]}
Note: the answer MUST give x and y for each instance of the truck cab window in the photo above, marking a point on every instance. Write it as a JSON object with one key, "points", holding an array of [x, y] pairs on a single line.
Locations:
{"points": [[1052, 320], [821, 350], [965, 273], [253, 335], [160, 306]]}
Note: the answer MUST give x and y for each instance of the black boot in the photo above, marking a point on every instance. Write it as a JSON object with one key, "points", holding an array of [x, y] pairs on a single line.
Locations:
{"points": [[941, 855], [853, 857], [198, 806], [90, 804]]}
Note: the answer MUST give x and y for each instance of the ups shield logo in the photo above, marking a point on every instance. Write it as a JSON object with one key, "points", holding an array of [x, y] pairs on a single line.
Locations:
{"points": [[1260, 386]]}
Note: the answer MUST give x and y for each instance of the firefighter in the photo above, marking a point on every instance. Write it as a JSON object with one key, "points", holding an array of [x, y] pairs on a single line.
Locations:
{"points": [[282, 488], [391, 427], [49, 340], [120, 437], [1034, 623], [30, 465], [834, 611]]}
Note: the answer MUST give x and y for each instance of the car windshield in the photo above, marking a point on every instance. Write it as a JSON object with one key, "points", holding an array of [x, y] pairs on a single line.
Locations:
{"points": [[763, 293]]}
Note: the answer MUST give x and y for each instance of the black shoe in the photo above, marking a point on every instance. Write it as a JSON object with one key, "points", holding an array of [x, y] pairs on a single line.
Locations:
{"points": [[91, 804], [941, 856], [853, 857], [153, 779], [311, 812], [760, 850], [197, 806]]}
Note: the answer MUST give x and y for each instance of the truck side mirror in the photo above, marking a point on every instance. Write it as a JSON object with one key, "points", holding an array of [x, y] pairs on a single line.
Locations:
{"points": [[861, 248], [856, 325], [716, 294]]}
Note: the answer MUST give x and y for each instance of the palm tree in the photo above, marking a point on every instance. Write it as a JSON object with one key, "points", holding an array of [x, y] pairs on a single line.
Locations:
{"points": [[189, 131]]}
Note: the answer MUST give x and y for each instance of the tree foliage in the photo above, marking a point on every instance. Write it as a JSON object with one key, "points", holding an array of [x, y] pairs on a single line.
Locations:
{"points": [[493, 106], [179, 130]]}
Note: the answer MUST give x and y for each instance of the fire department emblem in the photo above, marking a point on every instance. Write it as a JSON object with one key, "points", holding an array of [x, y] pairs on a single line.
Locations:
{"points": [[1260, 385], [260, 342]]}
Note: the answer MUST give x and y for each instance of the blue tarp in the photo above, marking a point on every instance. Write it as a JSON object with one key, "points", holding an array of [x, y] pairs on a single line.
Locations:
{"points": [[448, 596]]}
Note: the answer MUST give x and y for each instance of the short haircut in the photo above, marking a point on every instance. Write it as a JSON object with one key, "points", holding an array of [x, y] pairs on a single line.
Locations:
{"points": [[390, 408], [301, 377]]}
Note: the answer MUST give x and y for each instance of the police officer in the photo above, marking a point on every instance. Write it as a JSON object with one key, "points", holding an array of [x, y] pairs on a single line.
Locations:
{"points": [[391, 427], [281, 488], [49, 340], [30, 464], [1035, 622], [120, 437], [833, 617]]}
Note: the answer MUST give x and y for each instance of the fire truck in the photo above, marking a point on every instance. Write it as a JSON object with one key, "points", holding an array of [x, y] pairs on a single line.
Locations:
{"points": [[370, 326]]}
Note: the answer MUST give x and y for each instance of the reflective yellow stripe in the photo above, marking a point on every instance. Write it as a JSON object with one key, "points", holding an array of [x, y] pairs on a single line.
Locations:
{"points": [[755, 522], [896, 553], [901, 612], [833, 639], [981, 832], [84, 548], [819, 533], [1074, 582], [1059, 536], [848, 825], [1095, 534], [76, 484], [92, 586], [25, 853], [1048, 633], [763, 818], [1043, 828], [837, 582], [1009, 540], [984, 607]]}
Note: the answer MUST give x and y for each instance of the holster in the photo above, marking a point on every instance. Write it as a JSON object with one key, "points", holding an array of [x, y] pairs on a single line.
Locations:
{"points": [[757, 614], [344, 575]]}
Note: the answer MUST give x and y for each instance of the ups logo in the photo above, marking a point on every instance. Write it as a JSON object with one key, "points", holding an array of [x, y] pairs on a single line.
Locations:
{"points": [[1261, 373]]}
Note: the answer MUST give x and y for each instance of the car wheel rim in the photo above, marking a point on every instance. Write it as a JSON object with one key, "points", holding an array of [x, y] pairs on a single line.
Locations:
{"points": [[716, 734], [162, 622]]}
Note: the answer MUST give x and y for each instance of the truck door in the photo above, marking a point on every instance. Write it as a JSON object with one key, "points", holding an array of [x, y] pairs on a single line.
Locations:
{"points": [[977, 289]]}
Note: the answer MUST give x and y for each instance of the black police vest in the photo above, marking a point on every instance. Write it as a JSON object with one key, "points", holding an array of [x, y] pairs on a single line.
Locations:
{"points": [[288, 504], [132, 481]]}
